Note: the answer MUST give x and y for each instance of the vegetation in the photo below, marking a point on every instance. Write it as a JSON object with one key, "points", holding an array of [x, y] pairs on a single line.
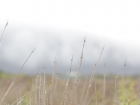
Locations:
{"points": [[44, 89]]}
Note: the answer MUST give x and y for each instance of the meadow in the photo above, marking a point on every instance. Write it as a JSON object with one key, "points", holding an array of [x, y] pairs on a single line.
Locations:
{"points": [[30, 90], [45, 89]]}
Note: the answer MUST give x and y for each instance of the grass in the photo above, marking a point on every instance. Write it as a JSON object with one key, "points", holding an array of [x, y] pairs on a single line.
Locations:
{"points": [[25, 90], [44, 89]]}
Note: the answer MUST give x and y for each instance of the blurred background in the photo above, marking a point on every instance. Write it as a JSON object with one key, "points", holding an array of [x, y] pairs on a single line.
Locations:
{"points": [[57, 28]]}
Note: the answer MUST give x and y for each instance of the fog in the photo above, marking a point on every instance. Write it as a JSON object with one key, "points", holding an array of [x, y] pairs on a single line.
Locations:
{"points": [[17, 44], [57, 30]]}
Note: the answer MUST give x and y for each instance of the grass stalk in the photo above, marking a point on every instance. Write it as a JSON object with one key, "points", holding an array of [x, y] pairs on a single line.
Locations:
{"points": [[4, 30], [122, 83], [51, 83], [36, 90], [80, 62], [95, 94], [44, 89], [83, 91], [20, 94], [55, 88], [39, 86], [90, 99], [28, 93], [92, 76], [115, 90], [15, 77], [67, 83], [104, 85], [87, 93], [31, 92]]}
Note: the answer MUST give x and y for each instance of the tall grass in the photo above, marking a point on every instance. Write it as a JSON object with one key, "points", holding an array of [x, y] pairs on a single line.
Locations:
{"points": [[49, 90]]}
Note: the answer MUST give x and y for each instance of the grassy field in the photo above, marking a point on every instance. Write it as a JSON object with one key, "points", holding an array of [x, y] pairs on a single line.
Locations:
{"points": [[26, 89], [44, 89]]}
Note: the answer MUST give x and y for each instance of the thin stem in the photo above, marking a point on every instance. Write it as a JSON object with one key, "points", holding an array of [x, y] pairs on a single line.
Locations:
{"points": [[15, 78], [3, 31], [20, 94], [96, 93], [51, 83], [92, 77], [104, 85], [83, 91], [90, 99], [66, 86], [80, 62]]}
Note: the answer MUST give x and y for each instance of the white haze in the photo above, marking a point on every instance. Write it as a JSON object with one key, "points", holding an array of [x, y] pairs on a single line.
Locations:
{"points": [[57, 28]]}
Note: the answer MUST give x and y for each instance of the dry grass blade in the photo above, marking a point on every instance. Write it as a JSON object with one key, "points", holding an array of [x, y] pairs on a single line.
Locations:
{"points": [[19, 102], [44, 89], [40, 86], [92, 76], [24, 64], [17, 87], [5, 86], [97, 63], [122, 82], [31, 92], [6, 92], [30, 100], [71, 100], [15, 78], [66, 86], [90, 99], [104, 85], [36, 90], [51, 83], [115, 90], [87, 93], [28, 93], [83, 91], [55, 86], [3, 31], [20, 94], [96, 94]]}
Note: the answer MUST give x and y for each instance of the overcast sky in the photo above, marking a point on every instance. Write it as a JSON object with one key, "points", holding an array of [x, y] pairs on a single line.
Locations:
{"points": [[58, 27]]}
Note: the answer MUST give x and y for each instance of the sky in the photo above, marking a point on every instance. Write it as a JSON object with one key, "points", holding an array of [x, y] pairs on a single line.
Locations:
{"points": [[57, 28]]}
